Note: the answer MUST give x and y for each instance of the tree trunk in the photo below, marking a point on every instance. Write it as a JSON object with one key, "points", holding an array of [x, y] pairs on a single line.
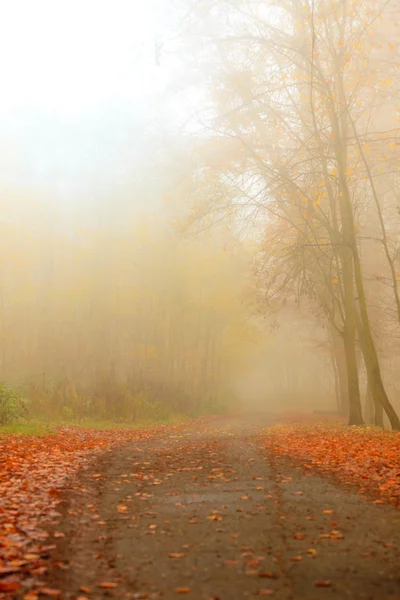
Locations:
{"points": [[378, 413], [339, 358], [340, 130], [369, 409], [337, 384], [355, 412], [370, 356], [373, 406]]}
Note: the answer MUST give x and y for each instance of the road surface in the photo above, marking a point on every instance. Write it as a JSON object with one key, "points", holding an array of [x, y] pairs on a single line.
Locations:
{"points": [[208, 514]]}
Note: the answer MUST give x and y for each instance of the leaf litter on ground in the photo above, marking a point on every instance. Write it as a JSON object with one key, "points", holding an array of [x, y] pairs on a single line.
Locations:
{"points": [[33, 472], [364, 456]]}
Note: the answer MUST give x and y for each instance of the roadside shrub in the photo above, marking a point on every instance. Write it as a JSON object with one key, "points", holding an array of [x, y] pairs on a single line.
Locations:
{"points": [[12, 405]]}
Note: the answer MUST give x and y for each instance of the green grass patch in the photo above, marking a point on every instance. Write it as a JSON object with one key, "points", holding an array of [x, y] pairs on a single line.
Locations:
{"points": [[34, 428], [40, 427]]}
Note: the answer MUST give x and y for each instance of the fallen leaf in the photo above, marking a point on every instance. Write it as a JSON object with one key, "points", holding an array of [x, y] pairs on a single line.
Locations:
{"points": [[9, 586], [182, 590], [32, 595], [325, 447], [326, 583], [51, 592]]}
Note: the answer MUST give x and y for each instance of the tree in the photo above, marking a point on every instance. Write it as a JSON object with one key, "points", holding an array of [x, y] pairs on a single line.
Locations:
{"points": [[290, 90]]}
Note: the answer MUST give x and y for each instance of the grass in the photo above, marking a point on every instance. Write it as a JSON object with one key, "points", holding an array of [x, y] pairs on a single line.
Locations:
{"points": [[34, 428], [39, 427]]}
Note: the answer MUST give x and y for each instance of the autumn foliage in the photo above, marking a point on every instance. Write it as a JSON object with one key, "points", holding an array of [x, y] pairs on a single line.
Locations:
{"points": [[367, 457], [33, 470]]}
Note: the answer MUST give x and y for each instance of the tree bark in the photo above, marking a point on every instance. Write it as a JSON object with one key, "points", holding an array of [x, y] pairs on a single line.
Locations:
{"points": [[355, 411], [369, 405], [340, 130], [339, 358]]}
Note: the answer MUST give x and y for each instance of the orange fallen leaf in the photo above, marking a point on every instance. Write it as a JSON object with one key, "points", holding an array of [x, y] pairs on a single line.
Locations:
{"points": [[176, 555], [51, 592], [84, 589], [253, 563], [107, 585], [326, 583], [182, 590]]}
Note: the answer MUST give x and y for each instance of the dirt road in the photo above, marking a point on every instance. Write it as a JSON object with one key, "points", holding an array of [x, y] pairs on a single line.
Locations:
{"points": [[208, 514]]}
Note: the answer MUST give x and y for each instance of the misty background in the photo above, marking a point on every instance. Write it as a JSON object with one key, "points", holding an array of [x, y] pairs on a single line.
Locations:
{"points": [[137, 279]]}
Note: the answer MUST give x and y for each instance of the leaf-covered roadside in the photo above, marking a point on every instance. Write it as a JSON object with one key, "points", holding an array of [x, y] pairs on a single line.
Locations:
{"points": [[367, 457], [33, 470]]}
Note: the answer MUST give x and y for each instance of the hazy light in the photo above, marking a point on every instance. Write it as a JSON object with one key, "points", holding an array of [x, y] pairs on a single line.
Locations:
{"points": [[66, 56]]}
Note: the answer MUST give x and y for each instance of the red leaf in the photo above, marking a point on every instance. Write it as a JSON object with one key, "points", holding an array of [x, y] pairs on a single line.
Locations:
{"points": [[326, 583], [9, 586]]}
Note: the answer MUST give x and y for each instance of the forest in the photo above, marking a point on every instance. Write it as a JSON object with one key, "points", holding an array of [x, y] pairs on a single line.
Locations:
{"points": [[301, 140], [274, 217]]}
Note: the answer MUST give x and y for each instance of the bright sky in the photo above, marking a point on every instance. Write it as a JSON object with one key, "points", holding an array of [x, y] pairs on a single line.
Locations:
{"points": [[78, 84]]}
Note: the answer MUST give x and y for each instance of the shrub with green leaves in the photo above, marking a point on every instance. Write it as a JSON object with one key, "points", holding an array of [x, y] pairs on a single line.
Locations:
{"points": [[12, 405]]}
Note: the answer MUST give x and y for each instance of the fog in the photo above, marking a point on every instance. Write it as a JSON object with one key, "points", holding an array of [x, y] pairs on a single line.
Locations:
{"points": [[199, 208]]}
